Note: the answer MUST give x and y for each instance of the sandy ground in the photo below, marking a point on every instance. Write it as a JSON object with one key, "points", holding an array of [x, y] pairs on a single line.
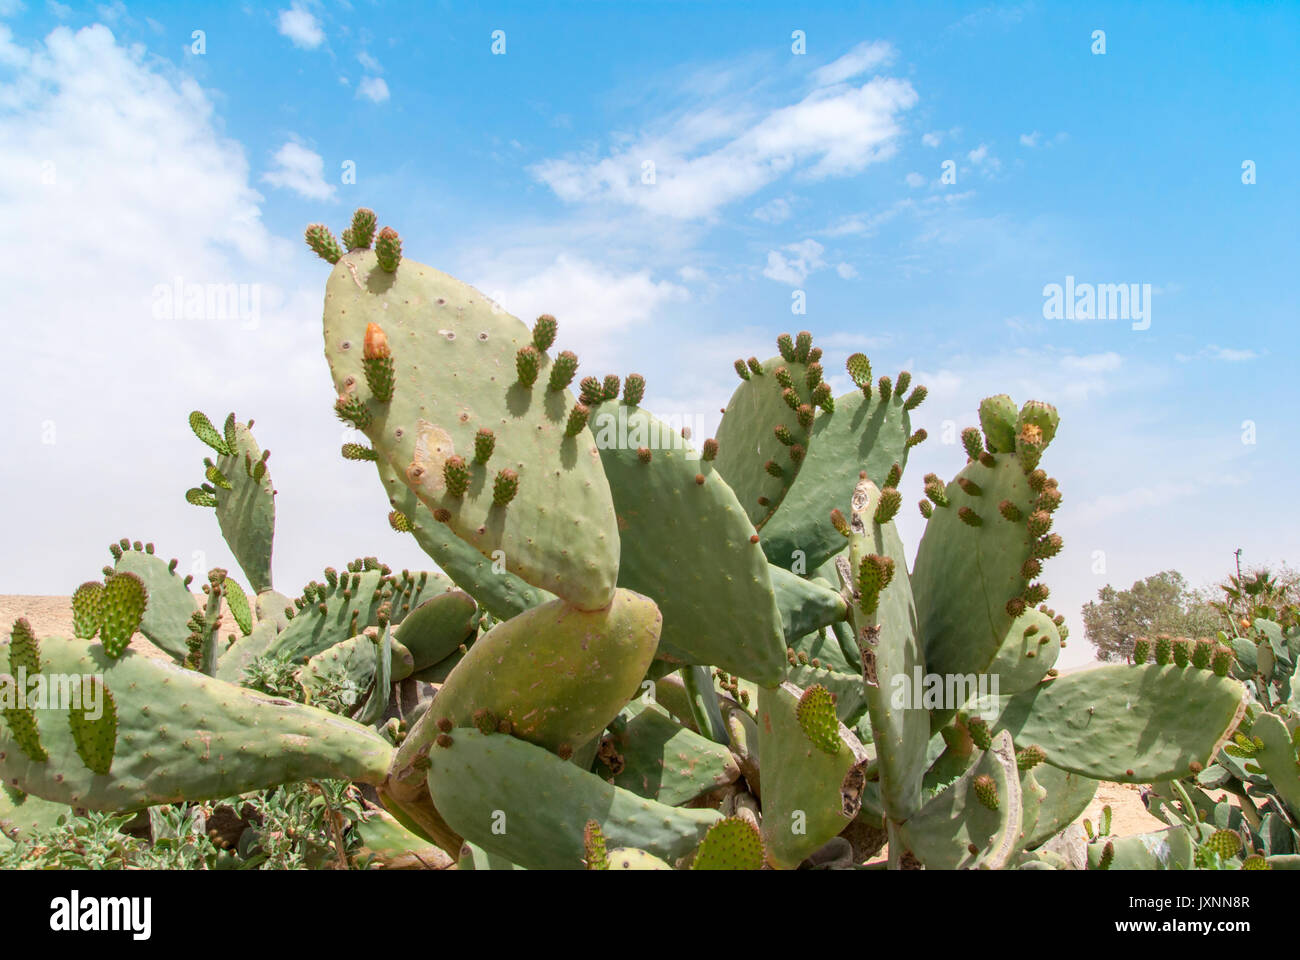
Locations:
{"points": [[53, 616]]}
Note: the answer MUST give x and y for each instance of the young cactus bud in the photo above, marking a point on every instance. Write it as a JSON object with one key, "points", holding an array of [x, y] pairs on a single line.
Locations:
{"points": [[562, 371], [916, 438], [895, 475], [527, 360], [504, 487], [205, 431], [986, 791], [859, 368], [926, 508], [980, 734], [590, 391], [377, 363], [87, 609], [709, 450], [815, 355], [544, 328], [973, 441], [455, 473], [485, 442], [802, 346], [969, 487], [593, 842], [783, 377], [1029, 447], [1182, 651], [362, 232], [633, 389], [611, 387], [1048, 547], [352, 410], [785, 344], [915, 398], [797, 453], [935, 490], [1040, 521], [322, 241], [886, 389], [388, 249], [804, 414], [200, 498], [839, 522], [1010, 511], [399, 521], [577, 420], [813, 375], [643, 454], [1107, 856], [791, 398], [755, 366], [887, 507], [355, 451], [1036, 593], [741, 370], [1141, 650], [783, 434], [902, 383], [1030, 757], [874, 574], [773, 469], [822, 397], [1202, 653], [970, 517]]}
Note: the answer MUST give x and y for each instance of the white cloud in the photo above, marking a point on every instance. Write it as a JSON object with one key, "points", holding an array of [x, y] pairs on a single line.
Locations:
{"points": [[804, 257], [300, 170], [776, 210], [60, 10], [915, 180], [373, 89], [846, 271], [1224, 354], [301, 26], [369, 62], [1029, 139], [832, 132], [1093, 362], [933, 138], [120, 185], [984, 160], [864, 57]]}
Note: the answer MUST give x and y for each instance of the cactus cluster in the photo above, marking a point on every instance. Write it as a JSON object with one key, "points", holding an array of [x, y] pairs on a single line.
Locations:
{"points": [[637, 654]]}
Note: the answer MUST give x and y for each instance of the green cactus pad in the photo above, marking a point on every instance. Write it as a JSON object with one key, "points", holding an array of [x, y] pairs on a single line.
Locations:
{"points": [[95, 737], [88, 609], [815, 795], [659, 759], [806, 606], [1168, 849], [1277, 758], [1068, 795], [864, 433], [495, 588], [817, 719], [942, 833], [689, 546], [746, 438], [557, 675], [345, 670], [1030, 649], [963, 630], [24, 816], [236, 658], [246, 512], [185, 736], [385, 844], [434, 630], [890, 655], [559, 532], [522, 802], [124, 599], [166, 617], [237, 601], [733, 844], [998, 420], [1124, 723]]}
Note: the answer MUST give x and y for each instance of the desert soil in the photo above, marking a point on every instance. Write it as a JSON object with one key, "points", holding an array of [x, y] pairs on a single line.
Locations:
{"points": [[53, 616]]}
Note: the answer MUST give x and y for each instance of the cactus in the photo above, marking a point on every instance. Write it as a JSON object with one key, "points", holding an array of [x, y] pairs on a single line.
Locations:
{"points": [[647, 657]]}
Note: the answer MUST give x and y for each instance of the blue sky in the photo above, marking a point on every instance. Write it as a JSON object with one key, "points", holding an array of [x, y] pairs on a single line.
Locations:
{"points": [[132, 160]]}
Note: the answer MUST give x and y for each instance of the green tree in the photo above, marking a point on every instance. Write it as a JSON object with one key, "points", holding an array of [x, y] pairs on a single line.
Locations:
{"points": [[1163, 603]]}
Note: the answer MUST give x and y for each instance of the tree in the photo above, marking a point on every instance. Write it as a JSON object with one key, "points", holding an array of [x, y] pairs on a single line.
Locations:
{"points": [[1162, 603], [1261, 592]]}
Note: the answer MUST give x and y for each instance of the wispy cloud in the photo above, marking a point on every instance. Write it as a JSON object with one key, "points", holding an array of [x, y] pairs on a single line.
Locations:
{"points": [[864, 57], [1223, 354], [301, 26], [373, 89], [300, 170], [709, 158], [794, 264]]}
